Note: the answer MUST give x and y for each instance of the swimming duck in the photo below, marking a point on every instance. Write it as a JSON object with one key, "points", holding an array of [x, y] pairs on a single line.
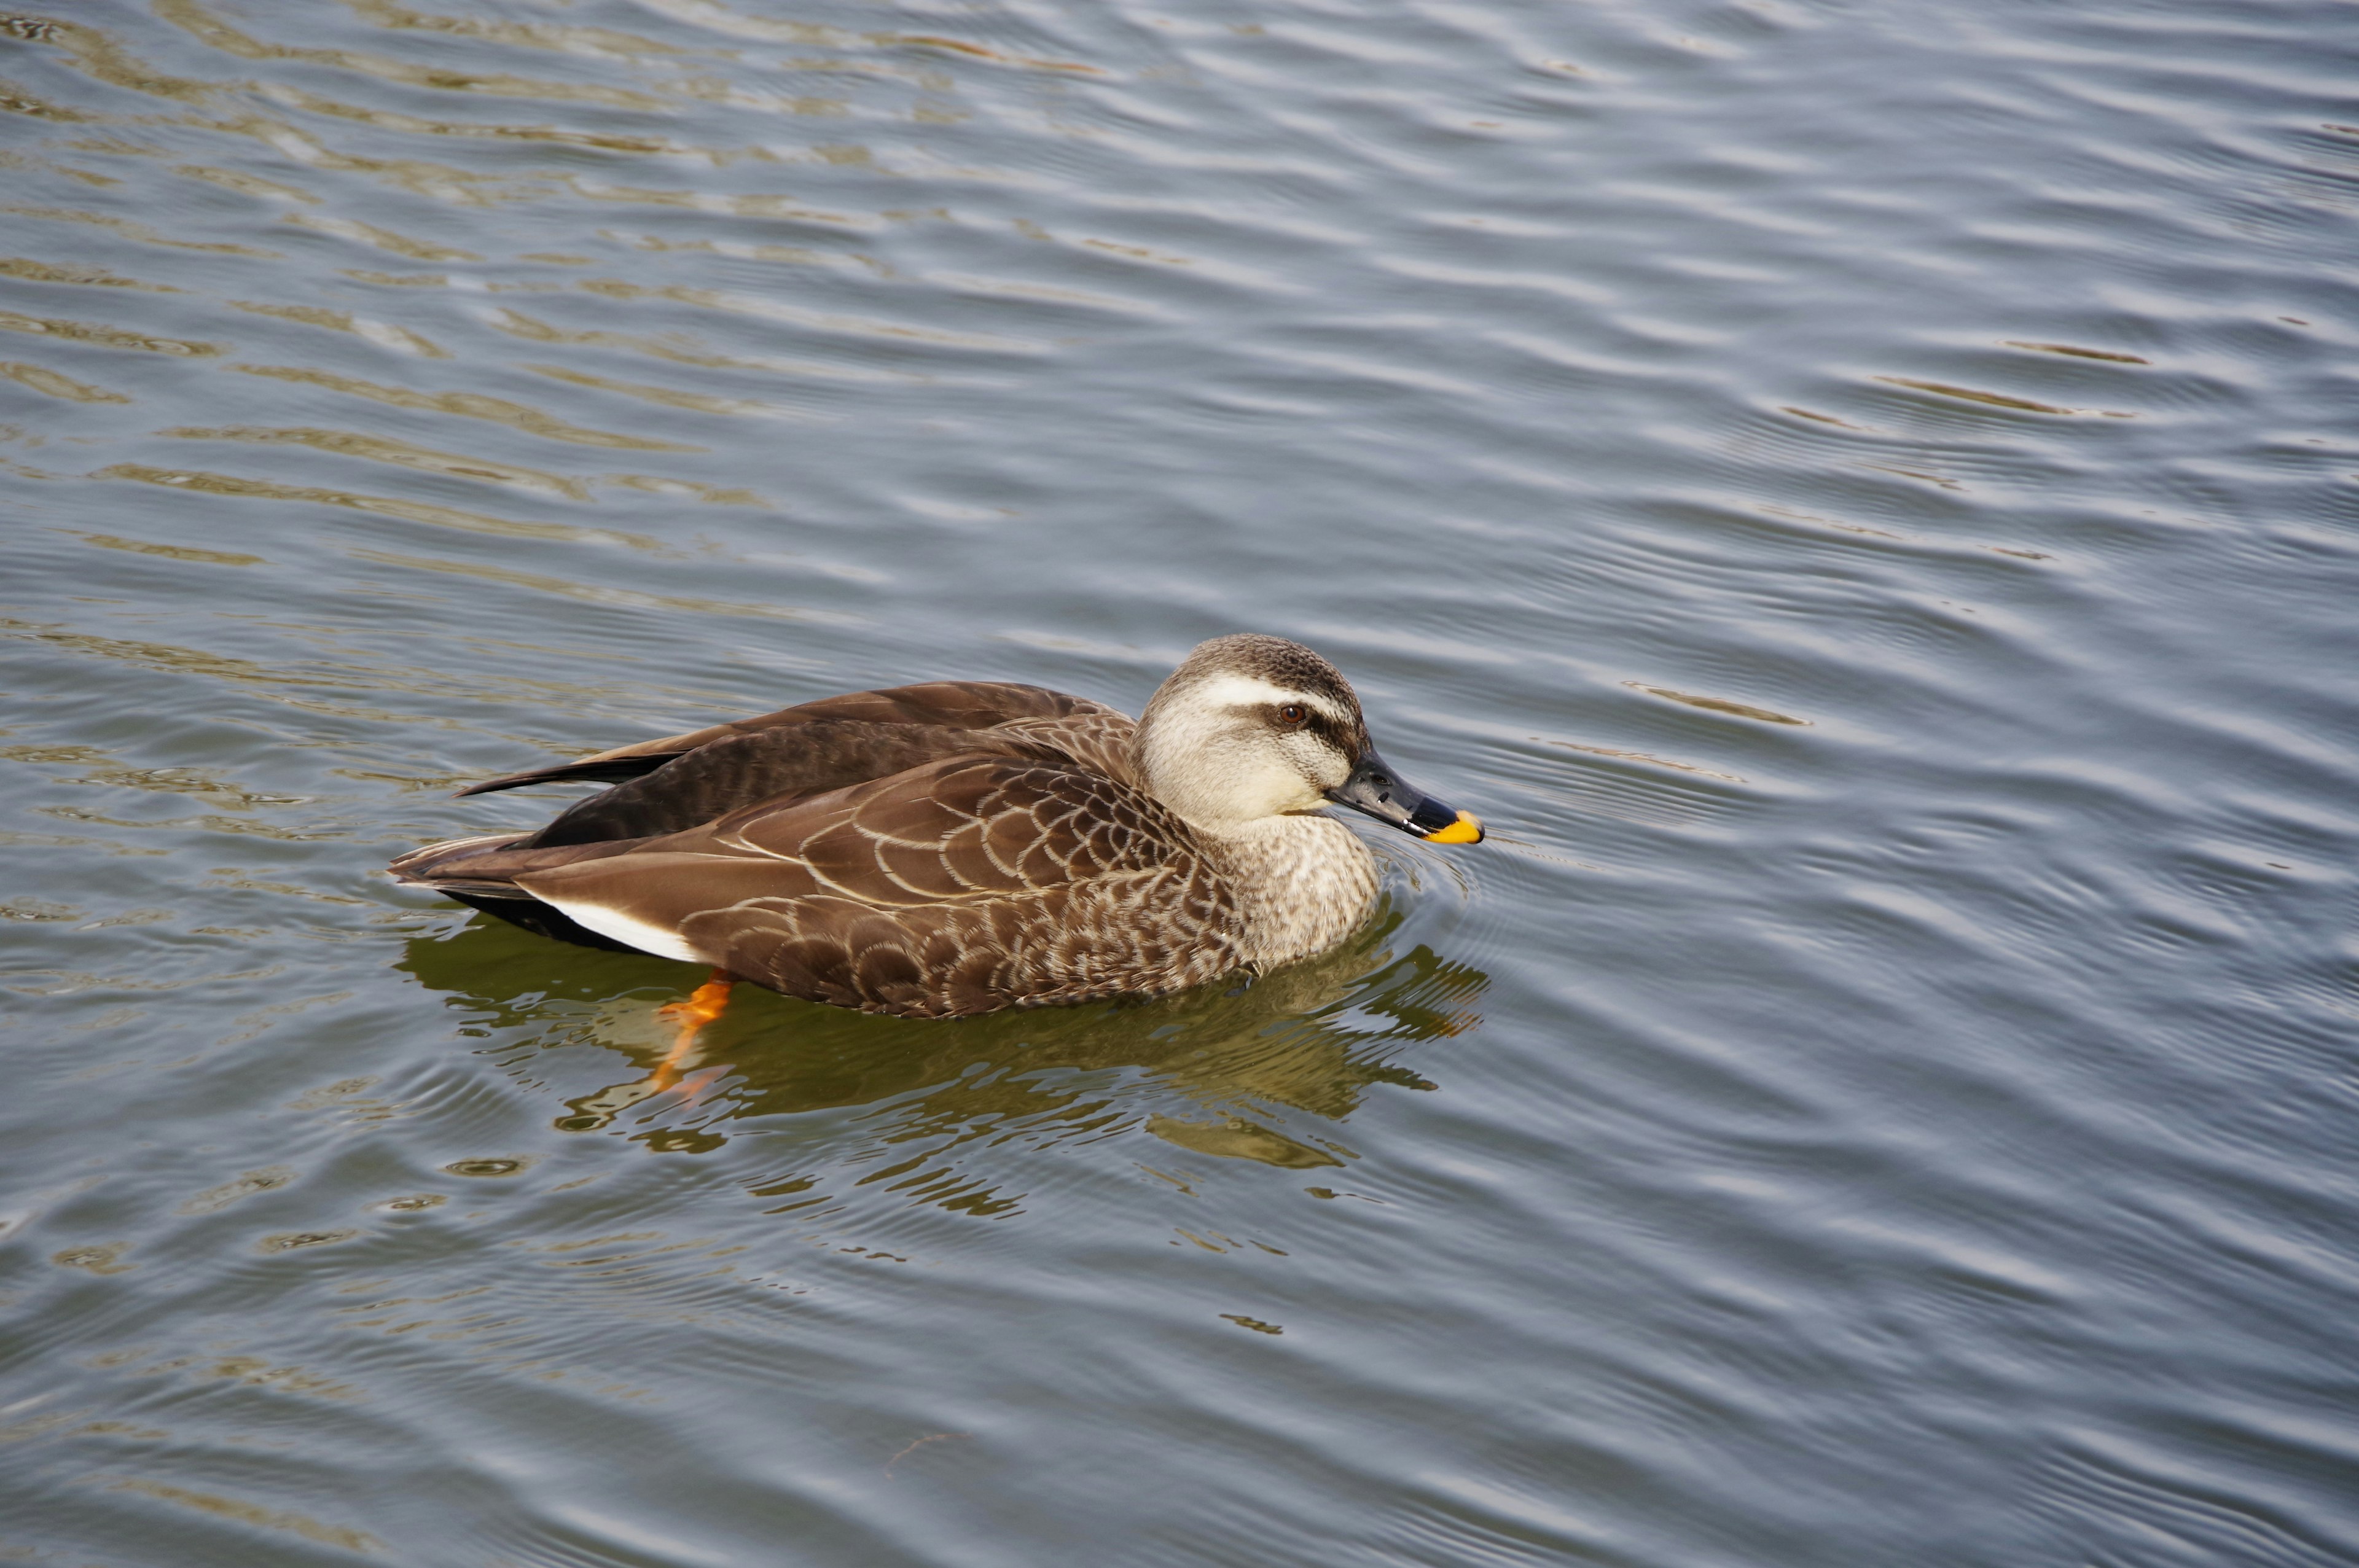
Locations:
{"points": [[959, 846]]}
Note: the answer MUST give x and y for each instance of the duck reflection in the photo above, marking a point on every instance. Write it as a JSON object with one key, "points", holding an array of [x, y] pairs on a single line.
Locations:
{"points": [[1216, 1071], [1308, 1039]]}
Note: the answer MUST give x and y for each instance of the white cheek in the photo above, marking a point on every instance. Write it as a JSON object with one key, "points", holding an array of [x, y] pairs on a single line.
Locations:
{"points": [[1242, 779], [1277, 786], [1330, 769], [1320, 765], [1222, 767]]}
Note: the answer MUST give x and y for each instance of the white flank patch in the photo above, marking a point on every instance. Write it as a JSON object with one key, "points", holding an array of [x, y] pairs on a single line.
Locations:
{"points": [[626, 929]]}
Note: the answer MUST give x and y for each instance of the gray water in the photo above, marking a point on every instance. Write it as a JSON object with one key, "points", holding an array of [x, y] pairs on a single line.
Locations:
{"points": [[1860, 495]]}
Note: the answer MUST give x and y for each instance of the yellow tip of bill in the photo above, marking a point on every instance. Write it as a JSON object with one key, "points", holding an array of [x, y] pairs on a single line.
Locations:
{"points": [[1466, 831]]}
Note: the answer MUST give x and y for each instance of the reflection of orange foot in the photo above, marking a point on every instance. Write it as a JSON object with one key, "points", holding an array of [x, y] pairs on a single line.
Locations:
{"points": [[702, 1006]]}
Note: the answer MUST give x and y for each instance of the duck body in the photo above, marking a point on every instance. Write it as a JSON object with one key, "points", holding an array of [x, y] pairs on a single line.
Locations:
{"points": [[961, 847]]}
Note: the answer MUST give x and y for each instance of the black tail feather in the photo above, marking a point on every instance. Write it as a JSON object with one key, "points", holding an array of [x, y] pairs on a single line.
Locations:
{"points": [[612, 770], [541, 919]]}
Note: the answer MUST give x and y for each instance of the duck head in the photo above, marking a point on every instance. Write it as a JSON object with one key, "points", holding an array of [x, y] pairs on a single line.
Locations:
{"points": [[1250, 727]]}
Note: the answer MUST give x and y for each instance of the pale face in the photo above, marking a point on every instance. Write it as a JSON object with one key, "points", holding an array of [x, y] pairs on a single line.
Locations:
{"points": [[1234, 749]]}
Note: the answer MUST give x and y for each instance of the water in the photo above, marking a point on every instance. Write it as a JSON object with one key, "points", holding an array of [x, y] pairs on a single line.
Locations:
{"points": [[1860, 496]]}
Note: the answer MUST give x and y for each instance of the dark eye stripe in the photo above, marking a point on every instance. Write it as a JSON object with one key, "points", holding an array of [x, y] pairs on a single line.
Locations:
{"points": [[1333, 732], [1344, 736]]}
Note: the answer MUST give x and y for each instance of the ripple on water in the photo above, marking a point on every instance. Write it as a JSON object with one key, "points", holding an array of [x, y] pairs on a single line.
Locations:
{"points": [[1844, 496]]}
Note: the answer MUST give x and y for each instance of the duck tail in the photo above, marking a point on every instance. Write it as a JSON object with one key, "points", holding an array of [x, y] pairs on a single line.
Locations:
{"points": [[430, 865]]}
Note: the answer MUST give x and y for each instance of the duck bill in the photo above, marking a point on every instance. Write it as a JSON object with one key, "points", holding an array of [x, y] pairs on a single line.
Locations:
{"points": [[1375, 788]]}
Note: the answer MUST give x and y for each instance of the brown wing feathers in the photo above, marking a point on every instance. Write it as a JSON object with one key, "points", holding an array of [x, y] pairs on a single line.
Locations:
{"points": [[962, 886], [951, 847], [792, 761], [957, 705]]}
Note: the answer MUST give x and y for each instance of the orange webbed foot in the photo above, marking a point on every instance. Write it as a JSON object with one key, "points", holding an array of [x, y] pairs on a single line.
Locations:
{"points": [[698, 1009]]}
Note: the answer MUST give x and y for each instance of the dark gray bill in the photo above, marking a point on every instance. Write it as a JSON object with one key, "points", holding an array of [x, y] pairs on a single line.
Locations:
{"points": [[1375, 789]]}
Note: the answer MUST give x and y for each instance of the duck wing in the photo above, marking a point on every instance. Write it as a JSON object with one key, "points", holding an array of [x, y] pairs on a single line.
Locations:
{"points": [[952, 705], [770, 767], [959, 886], [764, 767]]}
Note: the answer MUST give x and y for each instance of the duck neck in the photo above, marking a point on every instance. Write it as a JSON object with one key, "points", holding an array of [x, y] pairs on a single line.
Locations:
{"points": [[1302, 880], [1302, 883]]}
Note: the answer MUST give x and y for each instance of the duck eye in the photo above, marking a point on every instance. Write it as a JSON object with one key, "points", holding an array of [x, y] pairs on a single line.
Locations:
{"points": [[1292, 713]]}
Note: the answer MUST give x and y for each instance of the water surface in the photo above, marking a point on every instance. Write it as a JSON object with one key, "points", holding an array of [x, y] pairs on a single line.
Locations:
{"points": [[1860, 496]]}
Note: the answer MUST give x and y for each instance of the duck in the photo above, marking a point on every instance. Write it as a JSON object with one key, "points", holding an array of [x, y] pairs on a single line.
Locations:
{"points": [[960, 846]]}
